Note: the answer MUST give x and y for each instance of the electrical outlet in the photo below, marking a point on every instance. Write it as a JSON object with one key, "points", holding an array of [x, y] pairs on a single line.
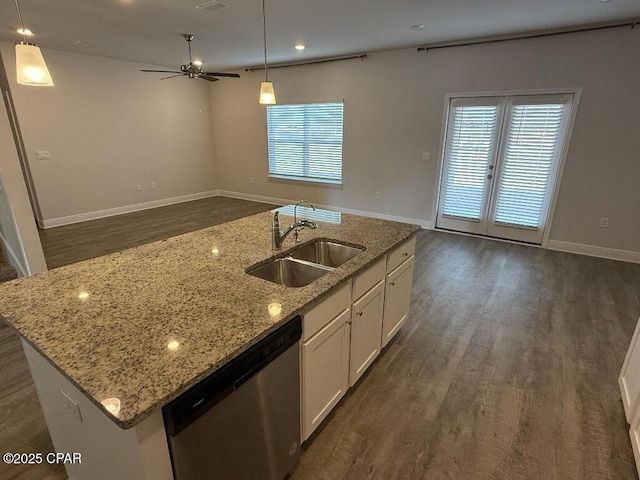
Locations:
{"points": [[604, 222], [426, 156], [153, 185], [71, 406], [378, 195], [250, 179], [139, 187]]}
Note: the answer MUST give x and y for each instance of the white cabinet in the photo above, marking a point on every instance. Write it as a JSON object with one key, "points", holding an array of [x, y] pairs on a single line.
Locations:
{"points": [[339, 342], [634, 432], [325, 371], [629, 379], [366, 325], [397, 297], [343, 335]]}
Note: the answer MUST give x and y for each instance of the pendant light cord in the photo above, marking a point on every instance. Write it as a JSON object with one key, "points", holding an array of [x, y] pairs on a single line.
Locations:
{"points": [[24, 34], [264, 37]]}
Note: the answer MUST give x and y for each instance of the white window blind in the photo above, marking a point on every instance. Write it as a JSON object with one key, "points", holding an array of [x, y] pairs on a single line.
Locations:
{"points": [[470, 151], [305, 141], [529, 154]]}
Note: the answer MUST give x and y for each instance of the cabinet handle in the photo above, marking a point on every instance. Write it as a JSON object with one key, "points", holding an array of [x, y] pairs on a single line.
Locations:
{"points": [[360, 313], [393, 284], [349, 321], [405, 254]]}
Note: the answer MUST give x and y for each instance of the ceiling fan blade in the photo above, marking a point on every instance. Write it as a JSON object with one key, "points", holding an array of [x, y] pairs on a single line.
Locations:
{"points": [[221, 74], [204, 76], [161, 71], [173, 76]]}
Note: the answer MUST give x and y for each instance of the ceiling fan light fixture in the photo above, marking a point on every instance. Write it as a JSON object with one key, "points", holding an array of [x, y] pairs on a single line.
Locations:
{"points": [[30, 66], [25, 32], [267, 95]]}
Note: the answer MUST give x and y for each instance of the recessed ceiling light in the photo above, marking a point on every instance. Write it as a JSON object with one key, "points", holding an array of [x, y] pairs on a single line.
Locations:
{"points": [[299, 46], [25, 32], [605, 1], [198, 63], [417, 27]]}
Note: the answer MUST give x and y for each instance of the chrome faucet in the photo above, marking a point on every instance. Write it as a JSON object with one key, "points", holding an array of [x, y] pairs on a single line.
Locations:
{"points": [[277, 238]]}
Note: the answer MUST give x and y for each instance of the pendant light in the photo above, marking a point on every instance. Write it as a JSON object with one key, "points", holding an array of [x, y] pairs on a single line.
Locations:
{"points": [[30, 66], [267, 95]]}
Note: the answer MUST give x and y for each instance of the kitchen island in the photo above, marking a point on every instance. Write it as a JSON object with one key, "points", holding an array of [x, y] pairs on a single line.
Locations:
{"points": [[131, 331]]}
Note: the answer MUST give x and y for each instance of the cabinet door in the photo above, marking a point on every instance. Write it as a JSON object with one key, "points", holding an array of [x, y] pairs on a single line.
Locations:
{"points": [[366, 327], [630, 376], [397, 299], [325, 371], [634, 431]]}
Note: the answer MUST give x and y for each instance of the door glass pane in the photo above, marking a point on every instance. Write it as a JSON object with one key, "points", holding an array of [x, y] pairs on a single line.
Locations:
{"points": [[529, 155], [469, 153]]}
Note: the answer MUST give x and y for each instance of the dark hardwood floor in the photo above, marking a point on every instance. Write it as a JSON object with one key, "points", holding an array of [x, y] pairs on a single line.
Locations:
{"points": [[81, 241], [506, 369]]}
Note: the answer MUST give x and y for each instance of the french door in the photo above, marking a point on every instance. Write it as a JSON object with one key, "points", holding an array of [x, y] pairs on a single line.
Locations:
{"points": [[500, 163]]}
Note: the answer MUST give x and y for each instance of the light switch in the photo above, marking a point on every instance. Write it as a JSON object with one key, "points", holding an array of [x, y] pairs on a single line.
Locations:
{"points": [[426, 156], [43, 154]]}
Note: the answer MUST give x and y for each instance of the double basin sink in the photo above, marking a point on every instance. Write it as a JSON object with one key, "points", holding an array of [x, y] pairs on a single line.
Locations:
{"points": [[305, 264]]}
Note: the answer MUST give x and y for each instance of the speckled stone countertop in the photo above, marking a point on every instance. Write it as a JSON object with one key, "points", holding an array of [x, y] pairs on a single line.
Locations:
{"points": [[145, 324]]}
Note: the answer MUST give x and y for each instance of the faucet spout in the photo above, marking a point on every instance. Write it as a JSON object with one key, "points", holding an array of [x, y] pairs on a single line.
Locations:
{"points": [[277, 237]]}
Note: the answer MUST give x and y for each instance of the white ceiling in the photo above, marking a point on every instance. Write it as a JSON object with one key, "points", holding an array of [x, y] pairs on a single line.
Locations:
{"points": [[149, 31]]}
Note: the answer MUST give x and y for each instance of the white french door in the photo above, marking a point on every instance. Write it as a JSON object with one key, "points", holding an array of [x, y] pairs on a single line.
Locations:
{"points": [[500, 163]]}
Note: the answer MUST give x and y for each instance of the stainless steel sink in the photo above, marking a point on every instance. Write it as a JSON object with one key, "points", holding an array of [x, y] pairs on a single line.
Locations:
{"points": [[326, 252], [289, 272], [305, 264]]}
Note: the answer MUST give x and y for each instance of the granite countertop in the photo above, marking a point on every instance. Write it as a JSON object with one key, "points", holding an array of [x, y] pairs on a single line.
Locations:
{"points": [[146, 324]]}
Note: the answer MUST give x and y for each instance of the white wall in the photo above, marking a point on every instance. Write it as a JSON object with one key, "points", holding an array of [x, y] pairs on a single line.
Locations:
{"points": [[110, 127], [394, 104], [18, 232], [17, 223]]}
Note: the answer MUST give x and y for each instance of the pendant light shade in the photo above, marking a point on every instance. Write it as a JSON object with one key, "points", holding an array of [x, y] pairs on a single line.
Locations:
{"points": [[267, 94], [31, 67]]}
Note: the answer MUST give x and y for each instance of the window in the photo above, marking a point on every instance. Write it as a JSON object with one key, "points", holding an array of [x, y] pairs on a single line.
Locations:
{"points": [[305, 142]]}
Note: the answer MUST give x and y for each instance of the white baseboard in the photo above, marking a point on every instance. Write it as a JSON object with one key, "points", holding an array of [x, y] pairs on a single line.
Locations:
{"points": [[593, 251], [427, 224], [110, 212]]}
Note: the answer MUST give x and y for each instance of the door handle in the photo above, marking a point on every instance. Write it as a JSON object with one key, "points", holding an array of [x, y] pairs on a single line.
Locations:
{"points": [[490, 167], [489, 176]]}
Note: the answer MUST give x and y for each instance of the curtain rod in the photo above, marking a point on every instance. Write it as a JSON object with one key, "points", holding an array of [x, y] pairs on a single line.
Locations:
{"points": [[361, 56], [631, 24]]}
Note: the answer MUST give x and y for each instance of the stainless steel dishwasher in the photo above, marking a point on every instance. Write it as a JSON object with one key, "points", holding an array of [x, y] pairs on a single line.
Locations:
{"points": [[243, 421]]}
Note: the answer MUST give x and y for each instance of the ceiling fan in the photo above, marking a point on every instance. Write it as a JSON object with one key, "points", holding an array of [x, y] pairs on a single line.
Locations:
{"points": [[192, 70]]}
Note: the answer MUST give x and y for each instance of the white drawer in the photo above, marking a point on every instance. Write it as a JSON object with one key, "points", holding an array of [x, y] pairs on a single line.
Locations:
{"points": [[401, 253], [367, 279], [320, 315]]}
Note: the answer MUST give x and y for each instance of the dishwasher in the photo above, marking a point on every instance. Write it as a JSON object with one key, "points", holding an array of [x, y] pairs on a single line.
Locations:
{"points": [[243, 421]]}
